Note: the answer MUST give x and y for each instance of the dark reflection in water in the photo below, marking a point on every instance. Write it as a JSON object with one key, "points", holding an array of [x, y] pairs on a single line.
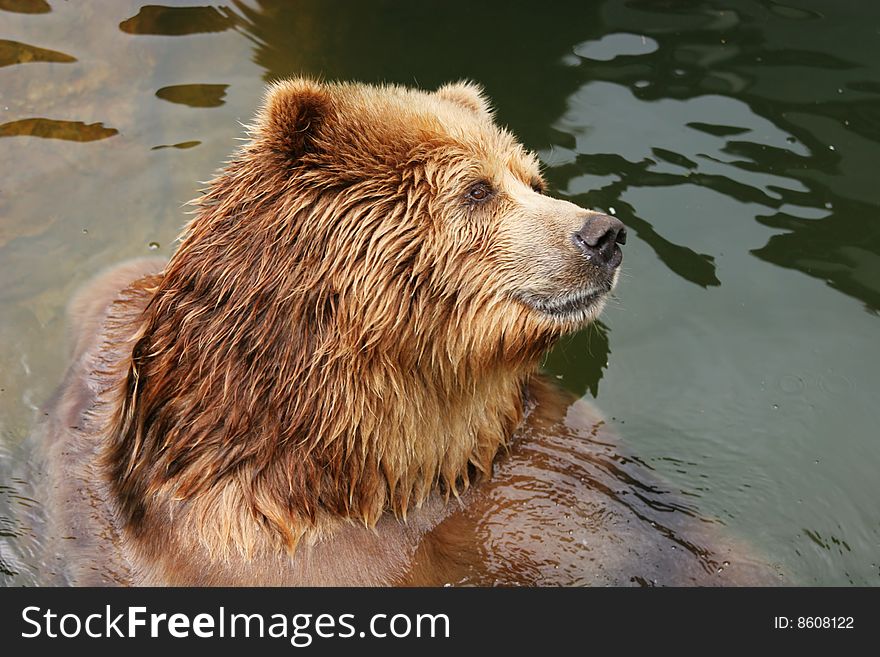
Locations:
{"points": [[592, 349], [832, 543], [842, 248], [716, 130], [787, 11], [26, 6], [13, 52], [182, 145], [194, 95], [54, 129], [178, 21]]}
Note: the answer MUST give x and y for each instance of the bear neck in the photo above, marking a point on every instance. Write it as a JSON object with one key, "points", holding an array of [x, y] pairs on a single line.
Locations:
{"points": [[229, 403]]}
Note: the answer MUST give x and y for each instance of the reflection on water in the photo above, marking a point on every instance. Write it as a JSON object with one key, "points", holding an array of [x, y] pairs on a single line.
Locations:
{"points": [[26, 6], [178, 21], [738, 141], [12, 52], [583, 357], [183, 144], [840, 248], [194, 95], [54, 129]]}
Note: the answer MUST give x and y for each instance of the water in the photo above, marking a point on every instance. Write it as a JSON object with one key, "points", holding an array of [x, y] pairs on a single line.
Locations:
{"points": [[738, 141]]}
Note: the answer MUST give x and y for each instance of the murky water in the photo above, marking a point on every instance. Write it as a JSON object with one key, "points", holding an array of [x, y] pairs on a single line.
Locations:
{"points": [[737, 140]]}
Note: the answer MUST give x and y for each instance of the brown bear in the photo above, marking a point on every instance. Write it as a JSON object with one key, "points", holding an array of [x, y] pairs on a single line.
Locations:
{"points": [[333, 380]]}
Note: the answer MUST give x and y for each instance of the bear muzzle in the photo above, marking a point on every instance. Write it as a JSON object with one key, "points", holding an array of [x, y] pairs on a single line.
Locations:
{"points": [[598, 240]]}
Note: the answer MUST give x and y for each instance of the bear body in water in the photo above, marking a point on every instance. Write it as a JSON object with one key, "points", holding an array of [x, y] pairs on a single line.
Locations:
{"points": [[333, 381]]}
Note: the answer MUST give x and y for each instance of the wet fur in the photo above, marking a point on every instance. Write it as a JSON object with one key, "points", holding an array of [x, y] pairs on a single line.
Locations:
{"points": [[318, 385]]}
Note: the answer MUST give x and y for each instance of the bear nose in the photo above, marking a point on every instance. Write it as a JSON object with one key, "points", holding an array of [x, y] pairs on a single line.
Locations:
{"points": [[598, 239]]}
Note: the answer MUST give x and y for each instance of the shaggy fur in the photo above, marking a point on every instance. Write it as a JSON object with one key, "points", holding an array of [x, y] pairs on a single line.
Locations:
{"points": [[345, 339]]}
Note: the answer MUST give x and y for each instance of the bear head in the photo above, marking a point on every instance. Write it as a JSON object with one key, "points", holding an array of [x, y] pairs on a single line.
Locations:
{"points": [[352, 317]]}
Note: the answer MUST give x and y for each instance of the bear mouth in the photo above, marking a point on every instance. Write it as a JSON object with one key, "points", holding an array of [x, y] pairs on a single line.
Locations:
{"points": [[570, 306]]}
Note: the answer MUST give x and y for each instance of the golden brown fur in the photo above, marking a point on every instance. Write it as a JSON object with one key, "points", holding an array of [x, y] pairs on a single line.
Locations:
{"points": [[315, 389]]}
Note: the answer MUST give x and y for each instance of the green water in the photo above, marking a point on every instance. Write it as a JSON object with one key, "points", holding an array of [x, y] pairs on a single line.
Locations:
{"points": [[737, 140]]}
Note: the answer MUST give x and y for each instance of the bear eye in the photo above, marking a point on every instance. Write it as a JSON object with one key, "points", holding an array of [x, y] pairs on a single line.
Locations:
{"points": [[479, 192]]}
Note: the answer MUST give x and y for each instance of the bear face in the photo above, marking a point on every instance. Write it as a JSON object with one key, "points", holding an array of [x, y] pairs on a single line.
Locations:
{"points": [[427, 183]]}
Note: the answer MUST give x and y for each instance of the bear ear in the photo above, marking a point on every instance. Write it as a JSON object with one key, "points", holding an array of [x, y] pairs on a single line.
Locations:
{"points": [[293, 116], [469, 95]]}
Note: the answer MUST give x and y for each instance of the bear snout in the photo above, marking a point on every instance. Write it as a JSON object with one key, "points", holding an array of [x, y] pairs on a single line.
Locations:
{"points": [[598, 240]]}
